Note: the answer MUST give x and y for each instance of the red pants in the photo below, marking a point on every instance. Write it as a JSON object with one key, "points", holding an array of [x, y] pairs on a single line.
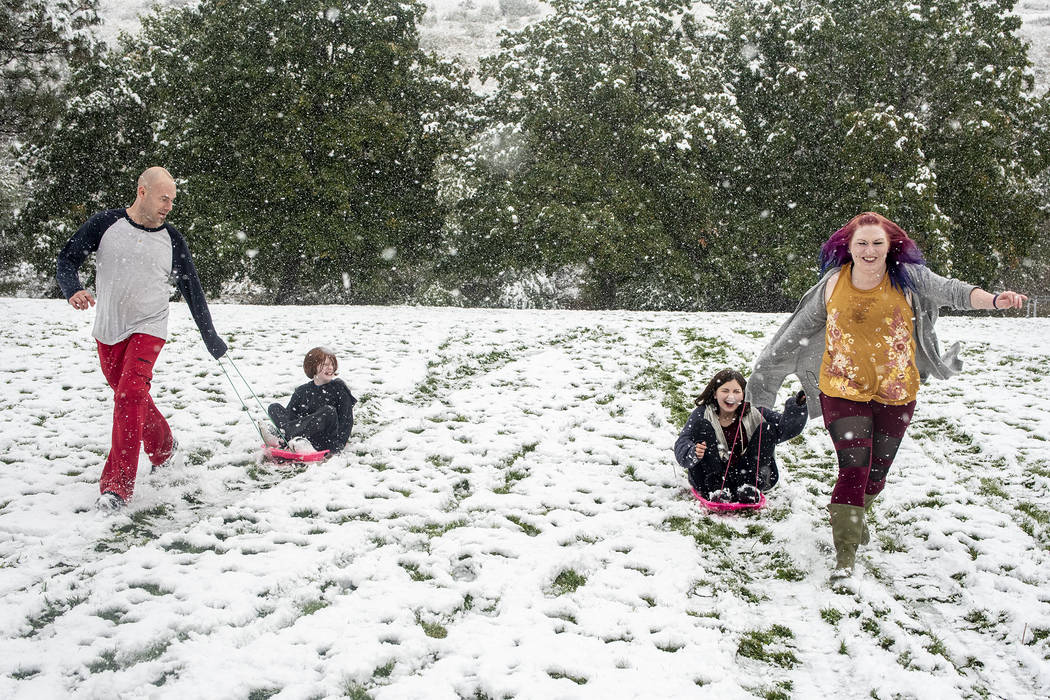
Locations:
{"points": [[128, 367]]}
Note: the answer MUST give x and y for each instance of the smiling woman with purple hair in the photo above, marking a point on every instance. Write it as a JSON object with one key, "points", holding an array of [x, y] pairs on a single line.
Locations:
{"points": [[862, 340]]}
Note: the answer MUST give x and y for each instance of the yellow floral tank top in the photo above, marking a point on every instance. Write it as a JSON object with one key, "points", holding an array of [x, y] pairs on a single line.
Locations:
{"points": [[869, 346]]}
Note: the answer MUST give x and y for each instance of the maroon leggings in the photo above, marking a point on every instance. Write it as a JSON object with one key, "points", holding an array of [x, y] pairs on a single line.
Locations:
{"points": [[866, 436]]}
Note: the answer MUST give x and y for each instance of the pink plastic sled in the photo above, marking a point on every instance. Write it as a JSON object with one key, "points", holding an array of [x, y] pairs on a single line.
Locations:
{"points": [[720, 507], [279, 455]]}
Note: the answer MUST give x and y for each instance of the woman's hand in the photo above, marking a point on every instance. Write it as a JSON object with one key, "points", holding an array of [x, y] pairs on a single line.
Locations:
{"points": [[701, 448], [1008, 300]]}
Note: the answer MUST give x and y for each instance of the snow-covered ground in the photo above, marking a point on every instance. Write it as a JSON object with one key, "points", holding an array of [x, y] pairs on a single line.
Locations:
{"points": [[507, 521]]}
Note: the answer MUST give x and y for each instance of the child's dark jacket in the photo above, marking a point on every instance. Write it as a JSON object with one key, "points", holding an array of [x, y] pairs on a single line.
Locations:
{"points": [[775, 427], [309, 398]]}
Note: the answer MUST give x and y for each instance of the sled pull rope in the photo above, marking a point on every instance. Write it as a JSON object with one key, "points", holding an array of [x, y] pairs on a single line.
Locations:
{"points": [[758, 460], [257, 401], [233, 385], [740, 423]]}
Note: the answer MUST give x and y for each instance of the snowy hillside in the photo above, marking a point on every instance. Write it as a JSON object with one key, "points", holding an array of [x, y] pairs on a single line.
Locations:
{"points": [[507, 522]]}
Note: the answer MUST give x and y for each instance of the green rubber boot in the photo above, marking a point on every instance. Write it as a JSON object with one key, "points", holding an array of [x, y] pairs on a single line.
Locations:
{"points": [[868, 501], [847, 529]]}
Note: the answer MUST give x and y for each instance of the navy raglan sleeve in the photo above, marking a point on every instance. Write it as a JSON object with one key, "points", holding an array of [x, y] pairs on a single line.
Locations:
{"points": [[83, 243], [189, 284], [789, 423], [685, 446]]}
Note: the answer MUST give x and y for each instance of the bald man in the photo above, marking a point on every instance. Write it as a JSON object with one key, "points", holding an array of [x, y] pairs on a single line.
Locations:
{"points": [[136, 254]]}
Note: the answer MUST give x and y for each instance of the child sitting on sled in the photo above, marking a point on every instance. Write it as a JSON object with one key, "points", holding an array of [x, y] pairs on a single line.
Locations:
{"points": [[727, 446], [320, 411]]}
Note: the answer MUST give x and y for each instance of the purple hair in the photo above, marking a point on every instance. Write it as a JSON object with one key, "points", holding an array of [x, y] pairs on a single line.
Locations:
{"points": [[835, 251]]}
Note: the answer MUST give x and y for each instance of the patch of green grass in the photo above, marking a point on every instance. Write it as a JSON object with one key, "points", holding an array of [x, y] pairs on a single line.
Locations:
{"points": [[433, 629], [512, 476], [937, 428], [1038, 635], [305, 513], [150, 653], [785, 569], [263, 693], [991, 487], [830, 616], [413, 571], [937, 647], [978, 618], [23, 673], [439, 460], [891, 544], [563, 615], [670, 647], [312, 606], [759, 532], [708, 532], [578, 680], [385, 670], [355, 691], [106, 661], [780, 691], [181, 545], [114, 615], [568, 581], [1034, 512], [151, 588], [766, 646], [53, 609], [198, 456], [438, 529], [461, 489], [528, 529]]}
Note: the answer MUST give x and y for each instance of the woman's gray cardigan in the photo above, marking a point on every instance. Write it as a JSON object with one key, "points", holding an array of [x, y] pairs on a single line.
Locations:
{"points": [[798, 347]]}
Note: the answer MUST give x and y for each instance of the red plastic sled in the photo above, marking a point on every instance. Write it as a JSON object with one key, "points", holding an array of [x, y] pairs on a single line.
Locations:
{"points": [[277, 454], [719, 507]]}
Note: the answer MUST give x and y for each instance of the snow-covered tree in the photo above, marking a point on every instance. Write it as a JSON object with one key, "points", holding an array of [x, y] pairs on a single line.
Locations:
{"points": [[303, 134], [921, 110], [602, 135], [39, 43]]}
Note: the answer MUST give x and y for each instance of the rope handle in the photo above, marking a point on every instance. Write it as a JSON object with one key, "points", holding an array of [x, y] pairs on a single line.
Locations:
{"points": [[732, 448], [758, 460], [247, 410]]}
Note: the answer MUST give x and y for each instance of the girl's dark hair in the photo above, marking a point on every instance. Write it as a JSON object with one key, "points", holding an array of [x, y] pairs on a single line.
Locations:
{"points": [[707, 396], [835, 251], [315, 358]]}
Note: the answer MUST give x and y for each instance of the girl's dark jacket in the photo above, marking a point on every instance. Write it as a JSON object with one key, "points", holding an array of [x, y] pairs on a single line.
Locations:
{"points": [[775, 427]]}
